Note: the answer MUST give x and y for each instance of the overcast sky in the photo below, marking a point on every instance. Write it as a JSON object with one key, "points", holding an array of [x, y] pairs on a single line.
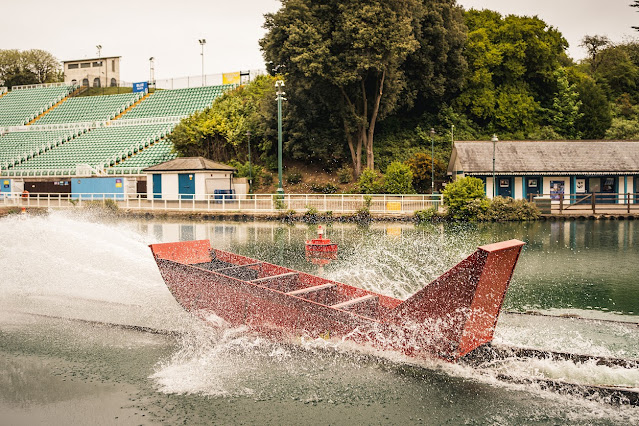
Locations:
{"points": [[169, 30]]}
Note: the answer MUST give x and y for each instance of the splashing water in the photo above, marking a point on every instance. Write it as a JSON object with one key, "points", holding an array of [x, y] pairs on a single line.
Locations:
{"points": [[79, 267]]}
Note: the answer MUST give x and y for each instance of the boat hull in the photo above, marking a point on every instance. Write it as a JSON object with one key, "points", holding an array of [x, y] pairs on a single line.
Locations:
{"points": [[450, 317]]}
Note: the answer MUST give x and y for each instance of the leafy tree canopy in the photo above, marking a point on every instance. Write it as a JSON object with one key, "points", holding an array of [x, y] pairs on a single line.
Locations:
{"points": [[28, 67]]}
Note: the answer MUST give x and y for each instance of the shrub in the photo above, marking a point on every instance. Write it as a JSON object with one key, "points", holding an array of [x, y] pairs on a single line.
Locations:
{"points": [[250, 170], [293, 178], [506, 209], [369, 182], [427, 215], [421, 166], [278, 202], [327, 188], [398, 179], [465, 198], [311, 215], [345, 175]]}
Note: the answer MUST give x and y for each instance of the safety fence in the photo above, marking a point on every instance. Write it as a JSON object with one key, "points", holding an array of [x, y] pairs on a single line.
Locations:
{"points": [[244, 203], [587, 203]]}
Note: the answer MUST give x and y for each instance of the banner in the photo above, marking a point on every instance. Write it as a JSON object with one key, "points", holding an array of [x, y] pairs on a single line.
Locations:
{"points": [[231, 78], [141, 87]]}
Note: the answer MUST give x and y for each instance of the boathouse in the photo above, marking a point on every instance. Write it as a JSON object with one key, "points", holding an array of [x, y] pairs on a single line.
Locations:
{"points": [[189, 178], [556, 169]]}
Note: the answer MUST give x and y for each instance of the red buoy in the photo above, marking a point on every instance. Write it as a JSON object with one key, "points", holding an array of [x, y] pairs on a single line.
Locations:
{"points": [[320, 251]]}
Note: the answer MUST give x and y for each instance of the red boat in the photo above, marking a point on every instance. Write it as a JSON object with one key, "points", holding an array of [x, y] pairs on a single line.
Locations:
{"points": [[448, 318]]}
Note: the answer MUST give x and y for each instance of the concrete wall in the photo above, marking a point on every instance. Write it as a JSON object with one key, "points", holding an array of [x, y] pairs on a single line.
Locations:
{"points": [[104, 72], [87, 186]]}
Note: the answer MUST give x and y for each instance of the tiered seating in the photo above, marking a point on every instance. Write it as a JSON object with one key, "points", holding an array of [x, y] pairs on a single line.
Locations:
{"points": [[100, 148], [16, 147], [157, 153], [18, 107], [179, 102], [89, 108]]}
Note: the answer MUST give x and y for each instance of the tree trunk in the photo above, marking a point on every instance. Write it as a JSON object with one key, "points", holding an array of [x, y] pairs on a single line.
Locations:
{"points": [[370, 159]]}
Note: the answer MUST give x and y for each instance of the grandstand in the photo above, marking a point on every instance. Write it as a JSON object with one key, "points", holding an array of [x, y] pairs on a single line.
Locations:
{"points": [[89, 108], [98, 148], [47, 133], [20, 106], [17, 147], [180, 102]]}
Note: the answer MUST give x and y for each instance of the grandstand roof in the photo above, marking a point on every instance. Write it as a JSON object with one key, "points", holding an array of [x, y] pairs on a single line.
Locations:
{"points": [[190, 164]]}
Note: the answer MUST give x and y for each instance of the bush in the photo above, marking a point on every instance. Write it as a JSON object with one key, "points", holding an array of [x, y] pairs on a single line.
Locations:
{"points": [[421, 165], [278, 202], [427, 215], [293, 178], [345, 175], [506, 209], [327, 188], [398, 179], [250, 170], [465, 198], [369, 182]]}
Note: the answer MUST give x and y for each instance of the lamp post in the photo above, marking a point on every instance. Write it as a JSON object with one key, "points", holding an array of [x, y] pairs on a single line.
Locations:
{"points": [[99, 47], [279, 84], [151, 72], [432, 160], [248, 136], [494, 140], [202, 43], [452, 135]]}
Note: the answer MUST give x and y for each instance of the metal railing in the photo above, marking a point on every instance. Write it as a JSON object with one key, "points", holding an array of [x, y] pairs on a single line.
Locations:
{"points": [[37, 86], [588, 203], [240, 203]]}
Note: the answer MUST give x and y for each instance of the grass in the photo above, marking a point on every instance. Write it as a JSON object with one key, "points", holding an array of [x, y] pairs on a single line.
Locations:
{"points": [[99, 91]]}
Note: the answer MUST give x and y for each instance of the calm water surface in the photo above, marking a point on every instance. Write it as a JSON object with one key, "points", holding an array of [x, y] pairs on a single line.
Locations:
{"points": [[72, 286]]}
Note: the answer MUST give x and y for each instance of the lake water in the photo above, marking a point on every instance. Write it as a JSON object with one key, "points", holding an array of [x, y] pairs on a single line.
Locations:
{"points": [[90, 334]]}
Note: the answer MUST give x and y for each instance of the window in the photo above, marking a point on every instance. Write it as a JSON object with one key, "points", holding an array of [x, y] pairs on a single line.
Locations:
{"points": [[96, 82], [72, 66], [97, 64], [74, 81], [85, 65], [85, 82], [113, 65], [114, 82]]}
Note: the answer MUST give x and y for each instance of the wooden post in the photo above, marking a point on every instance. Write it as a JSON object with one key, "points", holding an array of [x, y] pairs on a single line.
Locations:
{"points": [[561, 204], [593, 202], [628, 201]]}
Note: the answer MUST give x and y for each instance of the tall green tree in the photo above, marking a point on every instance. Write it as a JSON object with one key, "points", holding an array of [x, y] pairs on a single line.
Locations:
{"points": [[28, 67], [221, 131], [349, 53], [511, 63], [565, 112], [436, 70]]}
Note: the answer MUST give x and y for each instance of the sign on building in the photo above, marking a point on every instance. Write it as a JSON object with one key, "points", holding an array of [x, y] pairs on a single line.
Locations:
{"points": [[142, 86]]}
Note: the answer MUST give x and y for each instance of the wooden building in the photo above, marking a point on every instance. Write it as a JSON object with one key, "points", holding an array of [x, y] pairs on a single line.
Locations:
{"points": [[189, 178], [524, 169]]}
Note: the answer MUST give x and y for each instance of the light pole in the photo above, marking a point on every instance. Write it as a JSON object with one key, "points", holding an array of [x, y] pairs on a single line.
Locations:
{"points": [[202, 43], [432, 160], [248, 136], [151, 72], [99, 47], [279, 84], [494, 140], [452, 135]]}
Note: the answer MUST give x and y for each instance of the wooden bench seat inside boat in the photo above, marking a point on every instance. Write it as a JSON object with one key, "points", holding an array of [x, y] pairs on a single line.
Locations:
{"points": [[325, 294], [366, 305], [246, 272], [281, 282]]}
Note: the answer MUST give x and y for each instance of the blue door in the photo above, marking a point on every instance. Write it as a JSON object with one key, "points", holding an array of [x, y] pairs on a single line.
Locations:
{"points": [[504, 186], [533, 186], [187, 186], [157, 186]]}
